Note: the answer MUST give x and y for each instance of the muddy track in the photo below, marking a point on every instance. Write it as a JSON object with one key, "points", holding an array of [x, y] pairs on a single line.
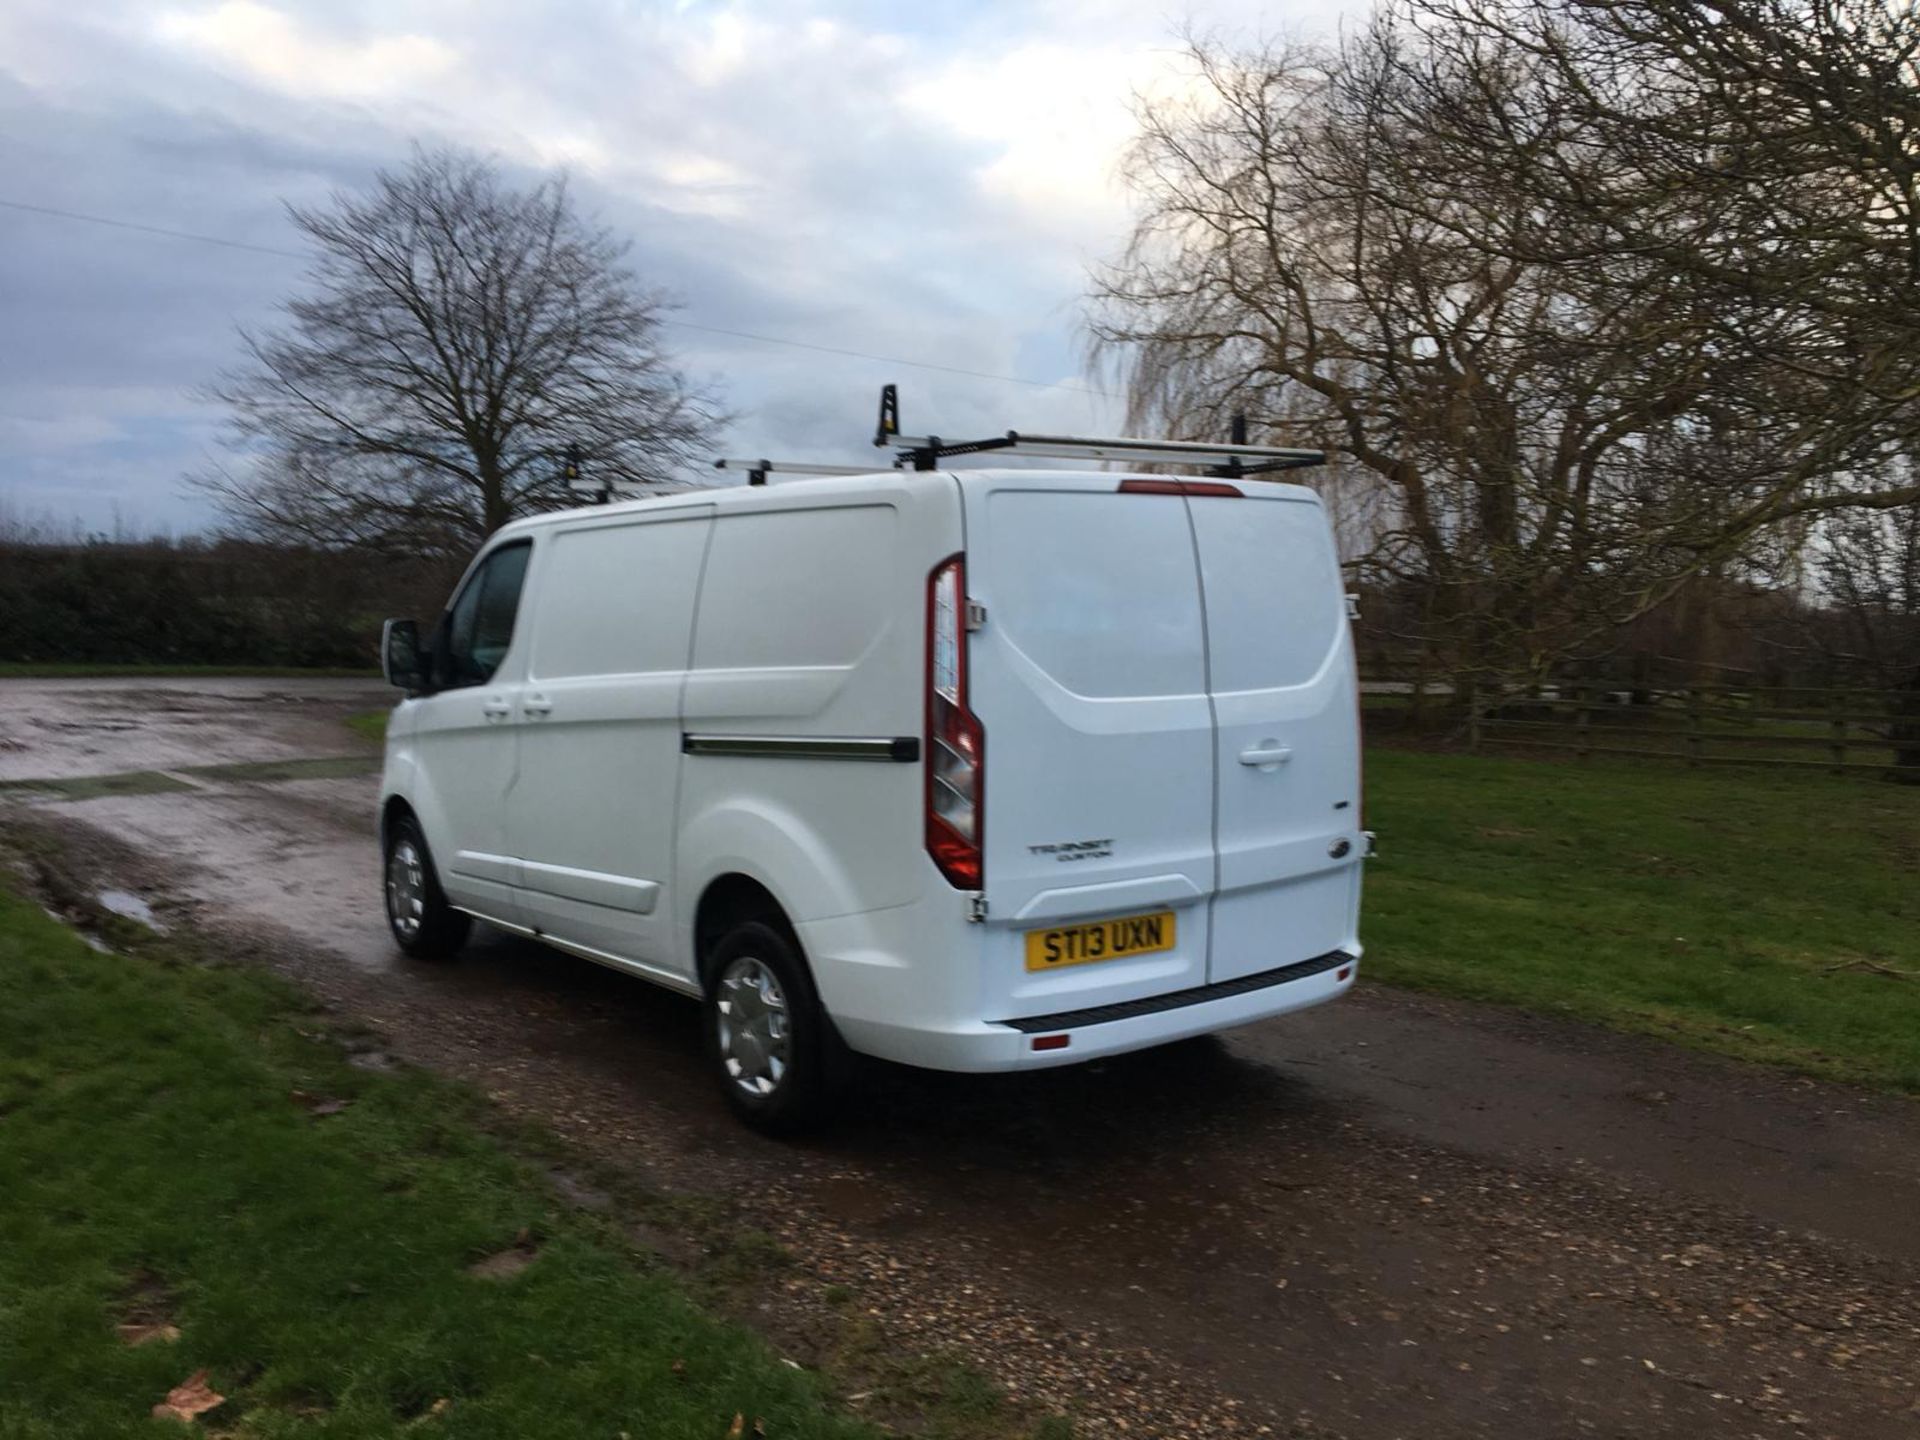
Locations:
{"points": [[1393, 1216]]}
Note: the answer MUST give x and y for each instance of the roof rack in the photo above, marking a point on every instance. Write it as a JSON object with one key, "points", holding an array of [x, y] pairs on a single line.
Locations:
{"points": [[1233, 458], [924, 452]]}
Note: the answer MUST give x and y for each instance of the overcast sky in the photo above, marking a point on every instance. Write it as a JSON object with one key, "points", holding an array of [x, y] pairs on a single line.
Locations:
{"points": [[928, 181]]}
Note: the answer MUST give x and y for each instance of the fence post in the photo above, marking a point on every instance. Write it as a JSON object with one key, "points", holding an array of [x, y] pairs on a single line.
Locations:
{"points": [[1696, 726], [1473, 715], [1837, 747], [1582, 721]]}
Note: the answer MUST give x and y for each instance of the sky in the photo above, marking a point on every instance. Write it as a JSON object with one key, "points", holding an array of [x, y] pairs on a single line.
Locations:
{"points": [[928, 182]]}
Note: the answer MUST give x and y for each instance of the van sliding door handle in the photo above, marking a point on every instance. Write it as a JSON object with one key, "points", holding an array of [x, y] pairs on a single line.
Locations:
{"points": [[537, 705], [1266, 755]]}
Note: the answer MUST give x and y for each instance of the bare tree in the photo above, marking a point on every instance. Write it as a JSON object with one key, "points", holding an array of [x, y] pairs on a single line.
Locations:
{"points": [[1307, 255], [1447, 249], [1763, 156], [457, 336]]}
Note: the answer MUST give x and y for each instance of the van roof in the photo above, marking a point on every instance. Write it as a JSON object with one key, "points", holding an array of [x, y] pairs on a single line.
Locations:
{"points": [[798, 492]]}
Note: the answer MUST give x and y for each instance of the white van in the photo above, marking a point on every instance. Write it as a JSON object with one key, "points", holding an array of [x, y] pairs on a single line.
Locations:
{"points": [[977, 770]]}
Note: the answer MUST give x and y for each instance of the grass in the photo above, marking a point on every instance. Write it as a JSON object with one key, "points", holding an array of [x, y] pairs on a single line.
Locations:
{"points": [[1736, 911], [38, 670], [156, 782], [94, 787], [161, 1161], [370, 725]]}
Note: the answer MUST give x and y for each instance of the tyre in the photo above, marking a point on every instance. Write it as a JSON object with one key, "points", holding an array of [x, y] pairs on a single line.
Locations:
{"points": [[423, 923], [776, 1054]]}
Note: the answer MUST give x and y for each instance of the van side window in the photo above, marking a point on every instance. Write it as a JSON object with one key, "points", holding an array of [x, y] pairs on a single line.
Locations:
{"points": [[479, 626]]}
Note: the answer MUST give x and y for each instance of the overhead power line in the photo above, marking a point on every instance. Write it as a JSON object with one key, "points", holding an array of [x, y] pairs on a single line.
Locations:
{"points": [[151, 229], [172, 234]]}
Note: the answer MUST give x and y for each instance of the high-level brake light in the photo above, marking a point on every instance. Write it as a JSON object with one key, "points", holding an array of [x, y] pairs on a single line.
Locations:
{"points": [[1194, 488]]}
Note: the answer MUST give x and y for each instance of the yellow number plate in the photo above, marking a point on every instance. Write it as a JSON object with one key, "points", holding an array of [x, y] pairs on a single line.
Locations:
{"points": [[1102, 940]]}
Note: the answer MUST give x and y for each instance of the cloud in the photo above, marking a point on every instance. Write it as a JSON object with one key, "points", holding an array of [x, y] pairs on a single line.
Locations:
{"points": [[923, 181], [297, 58]]}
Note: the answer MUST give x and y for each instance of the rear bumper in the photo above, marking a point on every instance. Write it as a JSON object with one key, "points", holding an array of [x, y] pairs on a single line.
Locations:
{"points": [[1108, 1029]]}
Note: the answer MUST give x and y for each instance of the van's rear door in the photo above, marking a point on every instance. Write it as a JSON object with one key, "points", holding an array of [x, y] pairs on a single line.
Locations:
{"points": [[1089, 678], [1281, 672]]}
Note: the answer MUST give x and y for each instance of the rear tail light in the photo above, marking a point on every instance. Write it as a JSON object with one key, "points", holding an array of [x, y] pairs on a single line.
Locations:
{"points": [[956, 745]]}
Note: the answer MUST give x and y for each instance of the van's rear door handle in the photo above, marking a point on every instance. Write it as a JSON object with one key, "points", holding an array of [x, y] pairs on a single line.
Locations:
{"points": [[1267, 755], [537, 705]]}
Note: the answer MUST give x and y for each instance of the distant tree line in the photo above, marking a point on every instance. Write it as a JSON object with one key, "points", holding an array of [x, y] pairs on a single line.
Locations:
{"points": [[193, 602]]}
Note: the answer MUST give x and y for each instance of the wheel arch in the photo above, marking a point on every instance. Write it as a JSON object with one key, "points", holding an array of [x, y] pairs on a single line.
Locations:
{"points": [[730, 899], [391, 809]]}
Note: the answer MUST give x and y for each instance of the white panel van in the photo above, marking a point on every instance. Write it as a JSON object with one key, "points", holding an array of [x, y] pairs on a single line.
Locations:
{"points": [[978, 770]]}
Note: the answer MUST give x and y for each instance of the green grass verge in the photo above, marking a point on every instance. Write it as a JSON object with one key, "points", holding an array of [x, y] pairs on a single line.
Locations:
{"points": [[155, 782], [156, 1165], [35, 670], [372, 724], [1737, 911]]}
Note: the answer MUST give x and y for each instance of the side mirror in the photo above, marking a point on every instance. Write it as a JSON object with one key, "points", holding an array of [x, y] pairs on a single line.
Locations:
{"points": [[400, 659]]}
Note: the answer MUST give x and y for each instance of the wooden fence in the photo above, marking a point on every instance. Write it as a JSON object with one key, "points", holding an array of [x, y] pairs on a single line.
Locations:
{"points": [[1840, 730], [1795, 727]]}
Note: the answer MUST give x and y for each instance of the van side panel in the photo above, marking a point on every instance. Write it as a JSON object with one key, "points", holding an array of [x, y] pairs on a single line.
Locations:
{"points": [[591, 814], [810, 627]]}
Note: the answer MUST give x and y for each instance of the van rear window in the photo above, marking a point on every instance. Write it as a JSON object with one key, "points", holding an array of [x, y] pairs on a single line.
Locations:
{"points": [[1096, 589], [1275, 604]]}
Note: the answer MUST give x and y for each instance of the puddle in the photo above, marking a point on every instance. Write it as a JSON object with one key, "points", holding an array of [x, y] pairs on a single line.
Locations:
{"points": [[131, 907]]}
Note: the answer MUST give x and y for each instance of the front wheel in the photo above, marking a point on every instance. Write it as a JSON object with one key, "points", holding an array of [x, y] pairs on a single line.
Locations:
{"points": [[422, 922], [776, 1054]]}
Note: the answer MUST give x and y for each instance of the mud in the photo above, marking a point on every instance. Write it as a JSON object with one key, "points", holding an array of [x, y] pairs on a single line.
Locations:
{"points": [[1392, 1216]]}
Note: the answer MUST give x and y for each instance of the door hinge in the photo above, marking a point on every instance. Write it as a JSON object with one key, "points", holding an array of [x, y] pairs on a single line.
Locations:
{"points": [[976, 615], [1353, 606], [976, 908]]}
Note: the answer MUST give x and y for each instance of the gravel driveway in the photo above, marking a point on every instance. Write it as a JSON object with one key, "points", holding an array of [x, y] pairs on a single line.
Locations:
{"points": [[1389, 1217]]}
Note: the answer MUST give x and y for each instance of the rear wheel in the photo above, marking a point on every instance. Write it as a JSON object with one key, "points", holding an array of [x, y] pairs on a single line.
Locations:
{"points": [[773, 1049], [422, 922]]}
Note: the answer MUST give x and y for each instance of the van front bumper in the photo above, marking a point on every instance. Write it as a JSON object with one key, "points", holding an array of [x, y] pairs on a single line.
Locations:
{"points": [[1038, 1041]]}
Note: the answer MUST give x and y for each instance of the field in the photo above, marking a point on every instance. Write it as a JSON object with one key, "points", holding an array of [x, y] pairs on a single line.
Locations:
{"points": [[1765, 915]]}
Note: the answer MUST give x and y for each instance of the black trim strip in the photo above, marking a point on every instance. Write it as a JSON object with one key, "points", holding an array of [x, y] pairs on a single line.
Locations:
{"points": [[1198, 995], [901, 749]]}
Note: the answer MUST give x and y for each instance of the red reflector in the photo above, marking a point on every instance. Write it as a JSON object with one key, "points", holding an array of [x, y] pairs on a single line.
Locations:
{"points": [[1181, 487], [1343, 972], [1052, 1042]]}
